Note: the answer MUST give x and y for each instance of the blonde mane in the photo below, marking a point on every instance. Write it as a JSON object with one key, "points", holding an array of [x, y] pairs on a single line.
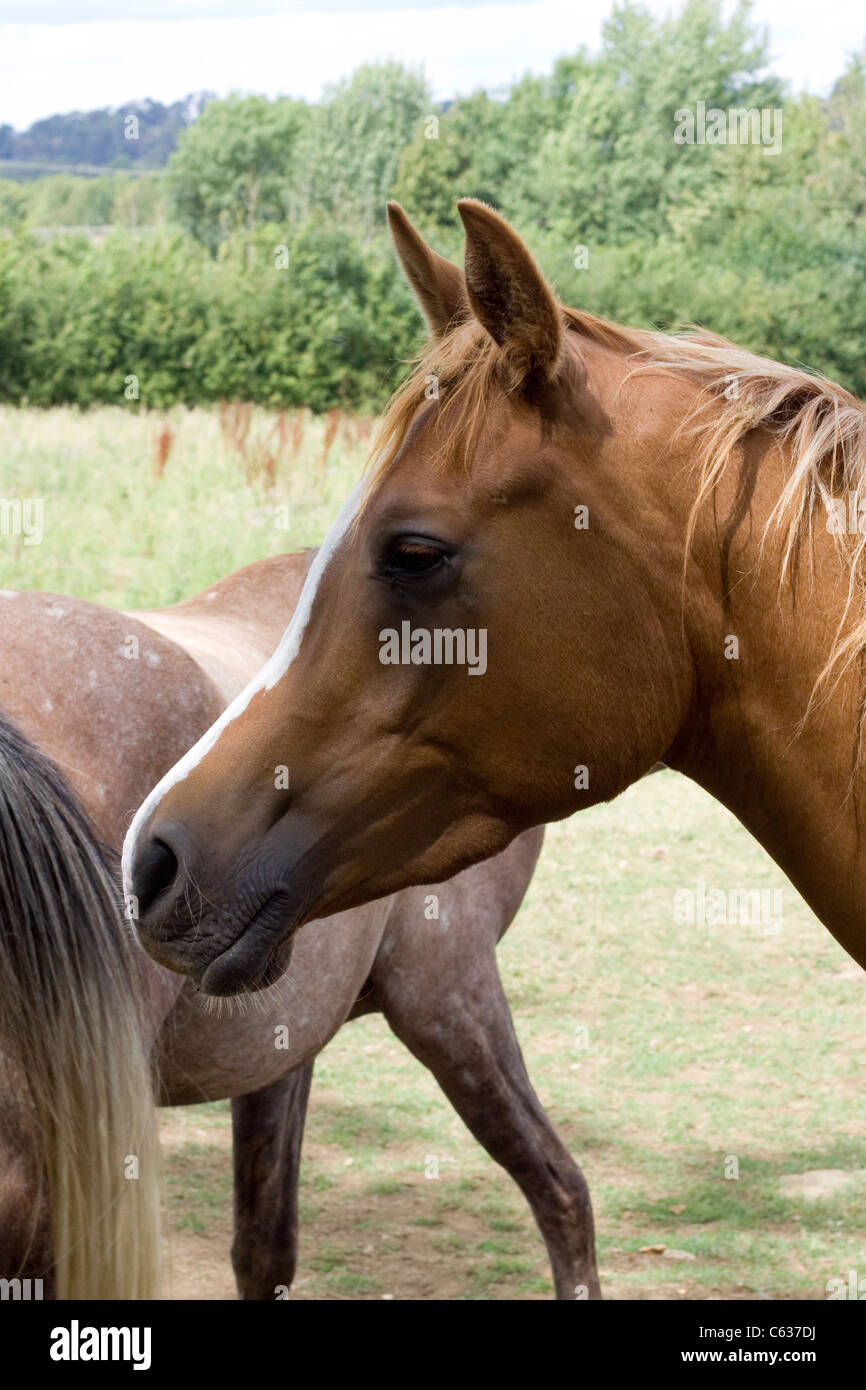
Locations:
{"points": [[818, 427]]}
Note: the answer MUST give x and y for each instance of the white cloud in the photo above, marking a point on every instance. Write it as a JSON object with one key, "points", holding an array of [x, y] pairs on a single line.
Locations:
{"points": [[85, 11], [165, 50]]}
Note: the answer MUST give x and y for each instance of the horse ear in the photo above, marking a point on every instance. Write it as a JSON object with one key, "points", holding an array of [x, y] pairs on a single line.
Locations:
{"points": [[509, 294], [438, 285]]}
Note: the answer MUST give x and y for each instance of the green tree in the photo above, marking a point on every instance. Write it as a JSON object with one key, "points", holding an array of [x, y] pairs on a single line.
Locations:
{"points": [[235, 167], [480, 148], [350, 151], [613, 170], [14, 203]]}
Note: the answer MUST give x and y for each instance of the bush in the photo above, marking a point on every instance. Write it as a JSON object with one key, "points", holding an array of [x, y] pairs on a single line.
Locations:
{"points": [[77, 320]]}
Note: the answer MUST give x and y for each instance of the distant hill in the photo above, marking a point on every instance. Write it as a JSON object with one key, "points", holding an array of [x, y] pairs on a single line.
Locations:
{"points": [[98, 141]]}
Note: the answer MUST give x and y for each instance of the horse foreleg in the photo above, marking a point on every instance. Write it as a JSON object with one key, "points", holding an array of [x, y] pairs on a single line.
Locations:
{"points": [[459, 1025], [267, 1131]]}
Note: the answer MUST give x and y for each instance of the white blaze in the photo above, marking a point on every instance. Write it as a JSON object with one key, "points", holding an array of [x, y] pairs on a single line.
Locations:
{"points": [[271, 672]]}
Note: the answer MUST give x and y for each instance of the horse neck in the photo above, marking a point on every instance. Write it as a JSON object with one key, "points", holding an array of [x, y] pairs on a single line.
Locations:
{"points": [[796, 783]]}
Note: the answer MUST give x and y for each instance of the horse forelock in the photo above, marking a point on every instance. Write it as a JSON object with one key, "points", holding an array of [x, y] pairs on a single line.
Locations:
{"points": [[452, 392]]}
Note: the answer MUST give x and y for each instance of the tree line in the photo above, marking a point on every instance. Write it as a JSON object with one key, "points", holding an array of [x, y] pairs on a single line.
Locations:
{"points": [[141, 133], [256, 265]]}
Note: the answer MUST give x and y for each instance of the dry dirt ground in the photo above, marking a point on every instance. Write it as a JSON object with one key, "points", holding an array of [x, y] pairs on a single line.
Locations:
{"points": [[410, 1261]]}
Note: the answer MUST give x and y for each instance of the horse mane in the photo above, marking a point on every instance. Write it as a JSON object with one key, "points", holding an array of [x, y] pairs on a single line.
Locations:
{"points": [[817, 424]]}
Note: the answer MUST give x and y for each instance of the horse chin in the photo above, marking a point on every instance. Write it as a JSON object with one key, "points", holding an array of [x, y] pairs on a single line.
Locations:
{"points": [[249, 965]]}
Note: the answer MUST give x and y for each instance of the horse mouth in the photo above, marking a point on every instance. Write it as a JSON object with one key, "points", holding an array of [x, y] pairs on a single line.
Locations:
{"points": [[259, 955]]}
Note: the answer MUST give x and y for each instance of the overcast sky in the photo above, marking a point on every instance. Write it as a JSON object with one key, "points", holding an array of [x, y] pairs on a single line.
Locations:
{"points": [[63, 55]]}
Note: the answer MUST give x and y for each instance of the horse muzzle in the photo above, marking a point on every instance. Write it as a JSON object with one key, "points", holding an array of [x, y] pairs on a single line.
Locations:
{"points": [[230, 936]]}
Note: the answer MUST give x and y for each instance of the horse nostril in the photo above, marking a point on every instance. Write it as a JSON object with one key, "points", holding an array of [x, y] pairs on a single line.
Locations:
{"points": [[155, 870]]}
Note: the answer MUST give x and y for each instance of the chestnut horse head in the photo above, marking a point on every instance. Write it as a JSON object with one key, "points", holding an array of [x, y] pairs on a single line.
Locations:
{"points": [[523, 609]]}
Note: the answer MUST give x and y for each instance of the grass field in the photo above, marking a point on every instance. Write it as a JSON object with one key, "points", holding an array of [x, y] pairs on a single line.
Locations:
{"points": [[708, 1078]]}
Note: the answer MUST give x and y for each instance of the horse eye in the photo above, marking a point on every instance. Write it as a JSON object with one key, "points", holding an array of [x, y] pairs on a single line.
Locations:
{"points": [[411, 559]]}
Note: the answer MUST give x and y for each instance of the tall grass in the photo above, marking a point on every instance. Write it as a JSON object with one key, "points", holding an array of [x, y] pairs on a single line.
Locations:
{"points": [[142, 509]]}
